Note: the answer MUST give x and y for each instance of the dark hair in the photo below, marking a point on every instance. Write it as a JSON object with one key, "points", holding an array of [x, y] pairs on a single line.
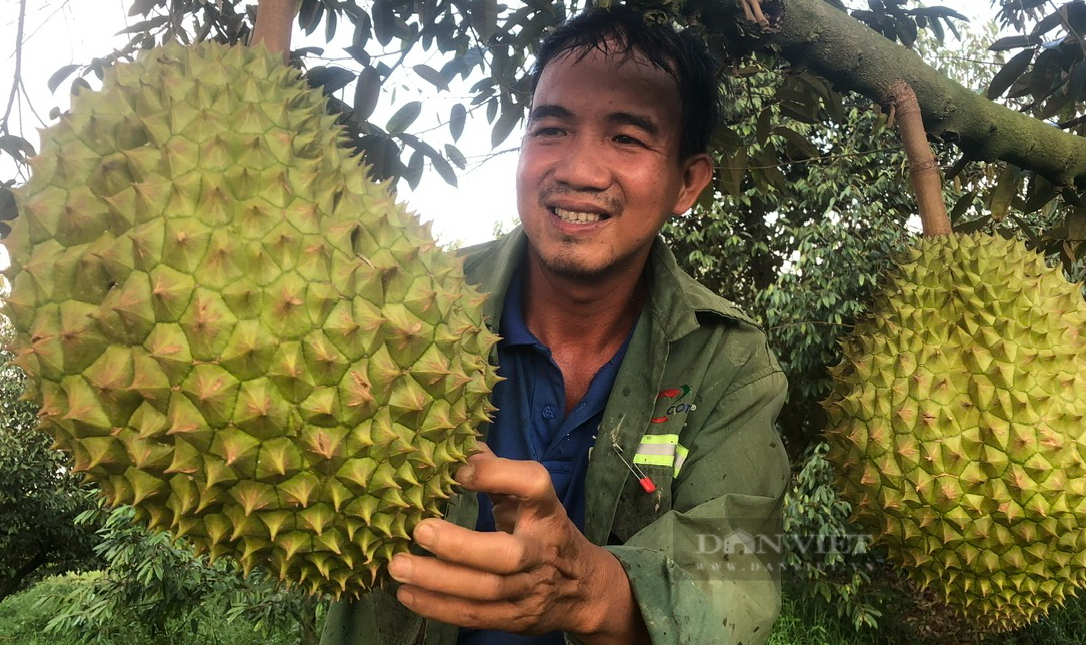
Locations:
{"points": [[682, 54]]}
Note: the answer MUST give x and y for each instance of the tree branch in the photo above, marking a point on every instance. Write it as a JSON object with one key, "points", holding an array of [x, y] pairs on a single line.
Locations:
{"points": [[274, 21], [17, 78], [923, 168], [815, 35]]}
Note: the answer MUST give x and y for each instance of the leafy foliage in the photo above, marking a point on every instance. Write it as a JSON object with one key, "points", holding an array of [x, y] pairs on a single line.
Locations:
{"points": [[39, 497], [163, 586], [804, 251], [24, 617], [834, 563]]}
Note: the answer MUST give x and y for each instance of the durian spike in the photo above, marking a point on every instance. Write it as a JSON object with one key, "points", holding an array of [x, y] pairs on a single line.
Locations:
{"points": [[923, 168]]}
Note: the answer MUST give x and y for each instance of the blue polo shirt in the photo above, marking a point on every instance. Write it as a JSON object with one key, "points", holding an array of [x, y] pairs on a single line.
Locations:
{"points": [[531, 424]]}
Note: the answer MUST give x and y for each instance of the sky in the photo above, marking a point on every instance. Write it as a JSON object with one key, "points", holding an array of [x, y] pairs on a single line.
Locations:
{"points": [[61, 32]]}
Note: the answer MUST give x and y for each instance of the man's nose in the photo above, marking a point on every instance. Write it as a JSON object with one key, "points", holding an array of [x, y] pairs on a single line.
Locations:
{"points": [[583, 165]]}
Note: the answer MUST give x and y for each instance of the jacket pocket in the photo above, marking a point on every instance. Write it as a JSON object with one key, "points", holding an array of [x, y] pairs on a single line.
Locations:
{"points": [[637, 507]]}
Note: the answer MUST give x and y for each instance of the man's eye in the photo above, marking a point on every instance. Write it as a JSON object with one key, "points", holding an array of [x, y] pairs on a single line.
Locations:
{"points": [[547, 132], [626, 139]]}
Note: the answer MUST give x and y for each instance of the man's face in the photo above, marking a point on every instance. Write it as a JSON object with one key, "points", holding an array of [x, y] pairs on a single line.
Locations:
{"points": [[599, 168]]}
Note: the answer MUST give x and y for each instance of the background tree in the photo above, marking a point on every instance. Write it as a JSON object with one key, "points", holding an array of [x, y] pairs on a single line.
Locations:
{"points": [[809, 212], [160, 588], [39, 498]]}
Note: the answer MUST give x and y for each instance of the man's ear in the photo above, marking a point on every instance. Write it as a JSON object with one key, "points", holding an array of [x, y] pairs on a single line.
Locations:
{"points": [[697, 172]]}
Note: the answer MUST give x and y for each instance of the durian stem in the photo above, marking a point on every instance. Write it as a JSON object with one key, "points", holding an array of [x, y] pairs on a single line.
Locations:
{"points": [[923, 168], [274, 22]]}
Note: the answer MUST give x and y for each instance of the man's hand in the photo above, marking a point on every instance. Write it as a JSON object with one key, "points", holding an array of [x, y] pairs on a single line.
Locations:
{"points": [[536, 574]]}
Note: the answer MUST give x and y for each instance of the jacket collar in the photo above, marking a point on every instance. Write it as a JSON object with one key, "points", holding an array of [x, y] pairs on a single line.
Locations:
{"points": [[675, 299]]}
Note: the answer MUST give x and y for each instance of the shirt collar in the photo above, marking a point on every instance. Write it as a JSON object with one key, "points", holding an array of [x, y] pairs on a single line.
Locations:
{"points": [[675, 298], [514, 329]]}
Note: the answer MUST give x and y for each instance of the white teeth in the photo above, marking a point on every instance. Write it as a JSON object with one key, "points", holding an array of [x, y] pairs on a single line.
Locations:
{"points": [[575, 217]]}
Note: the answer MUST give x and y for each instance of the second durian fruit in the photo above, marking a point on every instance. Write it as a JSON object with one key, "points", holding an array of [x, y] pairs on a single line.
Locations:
{"points": [[958, 424], [233, 329]]}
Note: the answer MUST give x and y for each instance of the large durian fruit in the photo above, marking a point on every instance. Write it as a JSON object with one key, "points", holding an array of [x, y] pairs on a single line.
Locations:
{"points": [[957, 423], [233, 329]]}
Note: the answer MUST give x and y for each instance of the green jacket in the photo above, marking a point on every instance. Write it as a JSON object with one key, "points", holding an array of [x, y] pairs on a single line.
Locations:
{"points": [[693, 404]]}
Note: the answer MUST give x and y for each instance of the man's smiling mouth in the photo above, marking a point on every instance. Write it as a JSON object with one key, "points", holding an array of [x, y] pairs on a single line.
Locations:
{"points": [[577, 217]]}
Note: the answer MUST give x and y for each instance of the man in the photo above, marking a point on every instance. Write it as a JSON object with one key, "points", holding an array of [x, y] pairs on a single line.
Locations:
{"points": [[615, 361]]}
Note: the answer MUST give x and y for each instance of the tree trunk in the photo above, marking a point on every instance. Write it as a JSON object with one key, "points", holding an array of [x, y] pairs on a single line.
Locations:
{"points": [[815, 35], [11, 585]]}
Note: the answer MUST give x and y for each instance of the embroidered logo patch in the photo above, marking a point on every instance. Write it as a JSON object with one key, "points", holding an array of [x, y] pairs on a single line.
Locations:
{"points": [[675, 397]]}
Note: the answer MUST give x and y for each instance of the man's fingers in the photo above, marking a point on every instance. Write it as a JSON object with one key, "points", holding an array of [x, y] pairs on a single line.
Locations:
{"points": [[505, 511], [492, 552], [507, 616], [482, 451], [453, 579], [528, 481]]}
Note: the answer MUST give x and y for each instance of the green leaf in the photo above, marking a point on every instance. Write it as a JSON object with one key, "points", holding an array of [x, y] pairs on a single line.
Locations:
{"points": [[962, 205], [455, 156], [508, 120], [1040, 192], [359, 54], [1076, 85], [431, 76], [1006, 187], [1014, 42], [906, 30], [972, 226], [484, 18], [1075, 15], [16, 146], [329, 79], [768, 166], [835, 107], [1047, 24], [145, 25], [330, 26], [801, 144], [143, 7], [444, 169], [1009, 73], [309, 16], [404, 117], [1076, 225], [8, 209], [799, 113], [363, 27], [367, 91], [414, 169], [383, 21], [725, 139], [937, 12], [764, 126], [58, 76], [1046, 70], [457, 116], [733, 169]]}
